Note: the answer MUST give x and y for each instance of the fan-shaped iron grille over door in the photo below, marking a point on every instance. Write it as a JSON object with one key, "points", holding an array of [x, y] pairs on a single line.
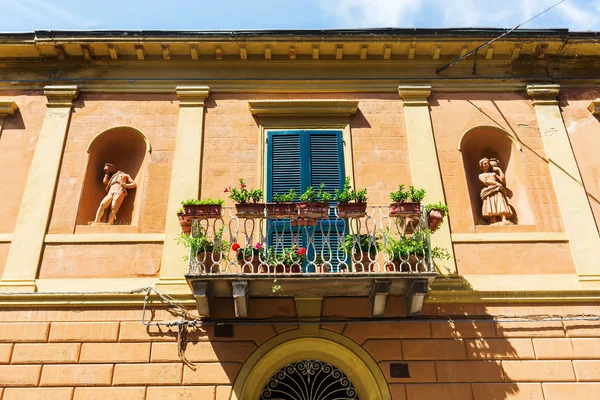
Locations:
{"points": [[309, 380]]}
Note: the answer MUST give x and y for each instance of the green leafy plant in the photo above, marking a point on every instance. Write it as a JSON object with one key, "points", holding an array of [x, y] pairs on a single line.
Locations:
{"points": [[348, 194], [360, 243], [416, 195], [344, 195], [199, 242], [440, 206], [196, 202], [289, 256], [406, 246], [400, 195], [246, 252], [285, 197], [359, 196], [310, 196], [413, 245], [242, 195]]}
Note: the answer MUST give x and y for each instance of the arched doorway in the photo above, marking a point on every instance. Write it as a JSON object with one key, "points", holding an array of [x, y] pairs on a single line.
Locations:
{"points": [[337, 367], [309, 380]]}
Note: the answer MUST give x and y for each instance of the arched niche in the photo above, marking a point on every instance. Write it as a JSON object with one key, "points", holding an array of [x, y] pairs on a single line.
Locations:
{"points": [[495, 142], [330, 347], [127, 148]]}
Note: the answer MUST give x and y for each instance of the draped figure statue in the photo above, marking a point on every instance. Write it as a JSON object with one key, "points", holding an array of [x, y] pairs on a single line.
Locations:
{"points": [[495, 208]]}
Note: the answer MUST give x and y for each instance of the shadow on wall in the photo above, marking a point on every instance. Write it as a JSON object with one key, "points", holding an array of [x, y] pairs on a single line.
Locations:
{"points": [[126, 148]]}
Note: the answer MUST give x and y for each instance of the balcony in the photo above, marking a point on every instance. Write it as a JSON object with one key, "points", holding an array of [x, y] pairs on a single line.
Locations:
{"points": [[376, 256]]}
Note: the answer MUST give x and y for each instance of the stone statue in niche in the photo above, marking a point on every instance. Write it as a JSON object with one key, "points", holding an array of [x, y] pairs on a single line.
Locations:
{"points": [[116, 184], [495, 208]]}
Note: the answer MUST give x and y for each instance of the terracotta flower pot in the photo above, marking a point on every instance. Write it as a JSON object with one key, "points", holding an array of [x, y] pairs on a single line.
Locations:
{"points": [[281, 210], [434, 218], [362, 264], [202, 210], [280, 269], [250, 264], [405, 209], [321, 268], [206, 263], [313, 210], [304, 222], [395, 266], [351, 210], [185, 222], [250, 210]]}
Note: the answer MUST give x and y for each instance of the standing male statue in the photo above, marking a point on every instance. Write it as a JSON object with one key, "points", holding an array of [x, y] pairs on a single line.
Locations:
{"points": [[116, 182]]}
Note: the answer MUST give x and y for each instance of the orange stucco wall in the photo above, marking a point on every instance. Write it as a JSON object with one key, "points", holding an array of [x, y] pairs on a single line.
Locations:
{"points": [[584, 133], [17, 144], [379, 143], [100, 260], [105, 353], [156, 116]]}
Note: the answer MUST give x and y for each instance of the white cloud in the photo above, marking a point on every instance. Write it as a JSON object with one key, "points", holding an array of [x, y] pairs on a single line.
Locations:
{"points": [[46, 15], [572, 14]]}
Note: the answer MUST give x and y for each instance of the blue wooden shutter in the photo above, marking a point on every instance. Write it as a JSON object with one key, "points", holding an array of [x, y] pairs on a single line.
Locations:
{"points": [[297, 159], [284, 163], [327, 166]]}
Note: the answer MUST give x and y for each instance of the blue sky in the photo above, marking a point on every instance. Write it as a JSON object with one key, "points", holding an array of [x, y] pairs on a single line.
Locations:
{"points": [[28, 15]]}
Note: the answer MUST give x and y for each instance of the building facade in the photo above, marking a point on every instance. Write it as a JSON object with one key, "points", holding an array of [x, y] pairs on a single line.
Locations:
{"points": [[97, 310]]}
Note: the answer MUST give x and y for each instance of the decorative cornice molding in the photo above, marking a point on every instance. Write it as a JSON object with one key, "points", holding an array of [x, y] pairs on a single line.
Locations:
{"points": [[60, 96], [594, 106], [544, 94], [8, 108], [303, 107], [106, 238], [520, 296], [192, 96], [416, 95], [510, 237]]}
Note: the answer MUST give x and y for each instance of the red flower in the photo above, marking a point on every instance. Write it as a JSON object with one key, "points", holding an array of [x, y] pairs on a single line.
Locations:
{"points": [[226, 190], [243, 185], [301, 251], [235, 247]]}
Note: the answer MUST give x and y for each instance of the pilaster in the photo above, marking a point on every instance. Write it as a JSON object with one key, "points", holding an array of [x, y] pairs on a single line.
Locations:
{"points": [[7, 108], [424, 162], [185, 182], [34, 213], [572, 198]]}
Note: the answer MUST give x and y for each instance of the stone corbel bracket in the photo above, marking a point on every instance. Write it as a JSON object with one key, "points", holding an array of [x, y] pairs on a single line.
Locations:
{"points": [[415, 95], [594, 106], [544, 95], [60, 96], [8, 108]]}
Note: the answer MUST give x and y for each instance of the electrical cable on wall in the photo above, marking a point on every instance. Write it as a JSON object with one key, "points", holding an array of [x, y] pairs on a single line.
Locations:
{"points": [[474, 51]]}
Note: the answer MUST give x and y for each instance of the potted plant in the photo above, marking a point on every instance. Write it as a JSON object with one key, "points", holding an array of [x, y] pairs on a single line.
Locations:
{"points": [[247, 202], [208, 252], [403, 208], [314, 205], [321, 266], [283, 205], [249, 257], [288, 261], [362, 249], [435, 215], [351, 203], [207, 208], [185, 222]]}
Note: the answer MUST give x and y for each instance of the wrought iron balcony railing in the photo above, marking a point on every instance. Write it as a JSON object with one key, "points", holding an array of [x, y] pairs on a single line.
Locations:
{"points": [[374, 256], [374, 244]]}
